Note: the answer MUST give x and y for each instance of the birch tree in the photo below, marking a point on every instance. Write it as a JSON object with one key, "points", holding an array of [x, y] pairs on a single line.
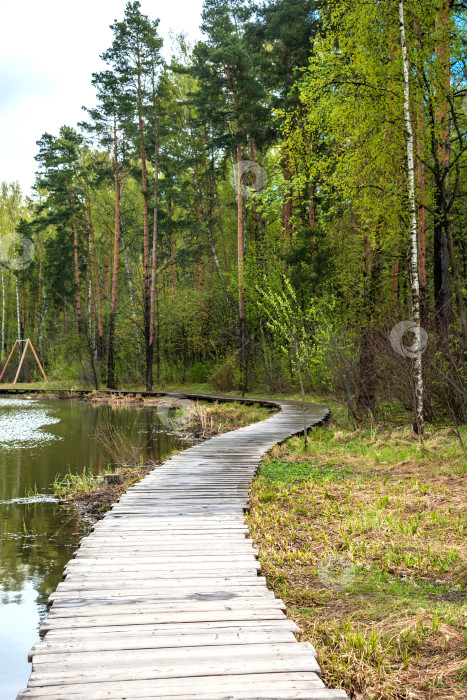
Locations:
{"points": [[414, 250]]}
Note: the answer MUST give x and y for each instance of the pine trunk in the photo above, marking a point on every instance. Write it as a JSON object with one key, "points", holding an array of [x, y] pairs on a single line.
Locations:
{"points": [[153, 294], [96, 284], [76, 281], [111, 379], [172, 248], [241, 290], [254, 206], [146, 266]]}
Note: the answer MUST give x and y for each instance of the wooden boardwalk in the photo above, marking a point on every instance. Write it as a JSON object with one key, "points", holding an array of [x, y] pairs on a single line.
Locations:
{"points": [[164, 598]]}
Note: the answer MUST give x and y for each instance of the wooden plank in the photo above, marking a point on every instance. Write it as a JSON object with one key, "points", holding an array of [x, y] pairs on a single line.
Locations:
{"points": [[123, 658], [155, 547], [155, 583], [161, 629], [171, 687], [312, 692], [150, 641], [181, 667], [179, 556], [159, 618], [169, 573], [136, 607], [157, 595]]}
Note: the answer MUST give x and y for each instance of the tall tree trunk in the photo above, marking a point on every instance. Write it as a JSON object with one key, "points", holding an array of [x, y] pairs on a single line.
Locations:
{"points": [[76, 281], [414, 251], [422, 218], [153, 300], [107, 258], [172, 248], [254, 205], [96, 284], [111, 380], [91, 298], [146, 265], [221, 227], [241, 289], [211, 197], [43, 317], [131, 293], [240, 236], [442, 278], [65, 318], [211, 188], [287, 206], [39, 291]]}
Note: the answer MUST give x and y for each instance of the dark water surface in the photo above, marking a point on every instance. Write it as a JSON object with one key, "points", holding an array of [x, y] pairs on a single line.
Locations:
{"points": [[39, 439]]}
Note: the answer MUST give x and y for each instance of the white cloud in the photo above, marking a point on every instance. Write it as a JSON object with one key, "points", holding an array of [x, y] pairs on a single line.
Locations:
{"points": [[48, 51]]}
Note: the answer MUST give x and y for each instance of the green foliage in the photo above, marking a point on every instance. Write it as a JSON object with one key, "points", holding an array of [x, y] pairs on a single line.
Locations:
{"points": [[311, 94]]}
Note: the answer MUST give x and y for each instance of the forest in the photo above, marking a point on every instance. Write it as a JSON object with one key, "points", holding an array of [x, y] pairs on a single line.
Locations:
{"points": [[280, 206]]}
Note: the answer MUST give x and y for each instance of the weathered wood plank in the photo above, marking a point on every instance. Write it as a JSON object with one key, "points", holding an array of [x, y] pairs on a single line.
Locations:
{"points": [[173, 687], [160, 618], [273, 694], [161, 629], [141, 657], [151, 641], [181, 667]]}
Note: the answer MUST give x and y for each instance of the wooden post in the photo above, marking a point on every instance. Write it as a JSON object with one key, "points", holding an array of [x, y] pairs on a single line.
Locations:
{"points": [[8, 361], [37, 360], [21, 361]]}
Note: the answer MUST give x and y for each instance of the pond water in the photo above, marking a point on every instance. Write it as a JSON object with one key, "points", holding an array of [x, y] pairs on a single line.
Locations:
{"points": [[39, 439]]}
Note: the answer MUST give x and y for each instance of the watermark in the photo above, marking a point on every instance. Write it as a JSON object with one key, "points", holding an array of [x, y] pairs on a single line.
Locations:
{"points": [[396, 338], [336, 572], [257, 172], [176, 413], [16, 252]]}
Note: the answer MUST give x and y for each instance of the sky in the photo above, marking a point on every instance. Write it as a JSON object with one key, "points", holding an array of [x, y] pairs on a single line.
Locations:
{"points": [[48, 51]]}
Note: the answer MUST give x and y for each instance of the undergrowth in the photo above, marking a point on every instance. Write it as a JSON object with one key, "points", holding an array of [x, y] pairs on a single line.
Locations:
{"points": [[363, 537]]}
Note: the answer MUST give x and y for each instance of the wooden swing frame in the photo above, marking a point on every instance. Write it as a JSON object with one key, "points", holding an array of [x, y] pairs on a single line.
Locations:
{"points": [[21, 362]]}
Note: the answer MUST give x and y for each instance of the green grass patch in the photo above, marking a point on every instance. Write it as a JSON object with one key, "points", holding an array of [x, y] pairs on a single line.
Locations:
{"points": [[363, 536]]}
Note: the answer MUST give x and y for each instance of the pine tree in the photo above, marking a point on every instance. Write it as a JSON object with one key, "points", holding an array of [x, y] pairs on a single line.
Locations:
{"points": [[135, 59], [225, 70]]}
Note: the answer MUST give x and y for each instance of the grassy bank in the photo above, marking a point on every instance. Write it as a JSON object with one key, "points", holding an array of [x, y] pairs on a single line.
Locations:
{"points": [[201, 421], [363, 537]]}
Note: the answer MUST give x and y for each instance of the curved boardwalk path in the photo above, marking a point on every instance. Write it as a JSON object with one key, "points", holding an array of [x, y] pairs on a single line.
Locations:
{"points": [[164, 598]]}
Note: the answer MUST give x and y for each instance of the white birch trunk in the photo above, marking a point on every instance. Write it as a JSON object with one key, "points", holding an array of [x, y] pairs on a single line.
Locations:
{"points": [[414, 279]]}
